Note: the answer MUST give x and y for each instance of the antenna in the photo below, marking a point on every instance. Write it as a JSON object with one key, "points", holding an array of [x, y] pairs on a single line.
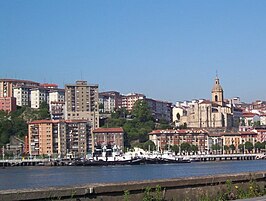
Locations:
{"points": [[216, 74], [81, 77]]}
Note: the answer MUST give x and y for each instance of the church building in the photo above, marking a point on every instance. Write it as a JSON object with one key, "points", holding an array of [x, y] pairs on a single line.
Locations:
{"points": [[210, 114]]}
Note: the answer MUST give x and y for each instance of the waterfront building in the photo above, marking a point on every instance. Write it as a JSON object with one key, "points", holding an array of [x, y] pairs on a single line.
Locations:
{"points": [[82, 102], [231, 138], [108, 137], [59, 137], [163, 139], [261, 134], [8, 104], [7, 86], [109, 101], [215, 143]]}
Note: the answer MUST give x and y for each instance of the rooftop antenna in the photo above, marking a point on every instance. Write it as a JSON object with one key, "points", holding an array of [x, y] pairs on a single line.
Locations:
{"points": [[81, 75], [216, 74]]}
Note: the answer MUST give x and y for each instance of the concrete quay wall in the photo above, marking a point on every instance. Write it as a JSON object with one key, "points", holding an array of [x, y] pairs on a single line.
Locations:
{"points": [[190, 188]]}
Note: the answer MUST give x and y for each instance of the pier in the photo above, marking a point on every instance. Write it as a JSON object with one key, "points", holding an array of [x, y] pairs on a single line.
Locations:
{"points": [[66, 162]]}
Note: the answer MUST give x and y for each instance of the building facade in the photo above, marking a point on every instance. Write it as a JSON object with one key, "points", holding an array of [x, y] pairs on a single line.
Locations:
{"points": [[110, 101], [160, 110], [211, 114], [38, 96], [8, 104], [82, 102], [108, 137], [59, 138], [7, 86], [129, 100], [165, 138]]}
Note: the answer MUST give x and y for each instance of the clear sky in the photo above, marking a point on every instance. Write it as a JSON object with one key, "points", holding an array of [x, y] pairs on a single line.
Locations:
{"points": [[168, 50]]}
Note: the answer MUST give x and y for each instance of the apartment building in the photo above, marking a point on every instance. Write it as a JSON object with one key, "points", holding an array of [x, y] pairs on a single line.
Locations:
{"points": [[160, 110], [166, 138], [7, 86], [38, 96], [63, 138], [82, 102], [22, 95], [129, 100], [110, 101], [57, 110], [112, 137], [8, 104]]}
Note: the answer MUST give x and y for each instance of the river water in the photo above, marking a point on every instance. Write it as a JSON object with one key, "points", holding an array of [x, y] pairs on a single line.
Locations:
{"points": [[42, 176]]}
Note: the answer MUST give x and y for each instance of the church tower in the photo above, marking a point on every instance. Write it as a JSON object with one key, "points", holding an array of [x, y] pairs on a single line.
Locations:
{"points": [[217, 92]]}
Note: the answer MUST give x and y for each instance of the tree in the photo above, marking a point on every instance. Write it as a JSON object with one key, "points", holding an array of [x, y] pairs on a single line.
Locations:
{"points": [[259, 146], [232, 148], [175, 149], [241, 147], [248, 146], [141, 111], [185, 147], [194, 148], [216, 147], [149, 145], [226, 148]]}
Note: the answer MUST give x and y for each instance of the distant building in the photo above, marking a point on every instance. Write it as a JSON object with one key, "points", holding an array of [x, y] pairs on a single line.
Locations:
{"points": [[110, 101], [38, 96], [161, 110], [8, 104], [108, 137], [57, 110], [82, 102], [163, 139], [212, 114], [63, 138], [7, 86], [129, 100], [22, 95]]}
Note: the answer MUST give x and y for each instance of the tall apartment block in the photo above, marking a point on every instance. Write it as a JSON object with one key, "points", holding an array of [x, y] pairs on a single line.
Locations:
{"points": [[59, 137], [7, 86], [22, 95], [38, 95], [82, 102], [160, 110]]}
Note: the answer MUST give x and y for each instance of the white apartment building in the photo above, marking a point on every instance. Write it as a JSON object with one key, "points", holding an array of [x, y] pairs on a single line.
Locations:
{"points": [[22, 95], [39, 95]]}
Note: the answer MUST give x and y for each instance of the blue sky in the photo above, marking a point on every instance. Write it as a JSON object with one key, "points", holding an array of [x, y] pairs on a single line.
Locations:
{"points": [[168, 50]]}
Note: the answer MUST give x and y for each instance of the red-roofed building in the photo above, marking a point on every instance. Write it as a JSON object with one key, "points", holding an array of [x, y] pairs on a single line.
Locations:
{"points": [[107, 137], [165, 138]]}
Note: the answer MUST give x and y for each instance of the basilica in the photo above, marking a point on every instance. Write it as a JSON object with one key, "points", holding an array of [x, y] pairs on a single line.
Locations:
{"points": [[216, 113]]}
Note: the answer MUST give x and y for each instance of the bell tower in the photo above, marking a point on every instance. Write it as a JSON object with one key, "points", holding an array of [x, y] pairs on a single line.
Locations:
{"points": [[217, 92]]}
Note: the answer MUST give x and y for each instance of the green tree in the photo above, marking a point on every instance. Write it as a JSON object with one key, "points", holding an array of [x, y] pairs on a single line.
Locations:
{"points": [[226, 148], [194, 148], [216, 147], [149, 145], [185, 147], [249, 146], [175, 148], [259, 146], [232, 148], [241, 147], [141, 111]]}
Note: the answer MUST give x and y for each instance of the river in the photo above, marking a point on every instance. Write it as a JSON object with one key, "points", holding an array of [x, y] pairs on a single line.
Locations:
{"points": [[42, 176]]}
